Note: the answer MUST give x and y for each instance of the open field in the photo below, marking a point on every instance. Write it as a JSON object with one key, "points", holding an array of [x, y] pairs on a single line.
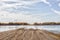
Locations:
{"points": [[28, 34]]}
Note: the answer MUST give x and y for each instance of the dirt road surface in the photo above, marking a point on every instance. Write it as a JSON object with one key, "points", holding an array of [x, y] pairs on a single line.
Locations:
{"points": [[28, 34]]}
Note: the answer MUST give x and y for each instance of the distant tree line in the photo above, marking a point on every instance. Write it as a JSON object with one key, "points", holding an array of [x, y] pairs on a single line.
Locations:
{"points": [[11, 23], [24, 23], [48, 23]]}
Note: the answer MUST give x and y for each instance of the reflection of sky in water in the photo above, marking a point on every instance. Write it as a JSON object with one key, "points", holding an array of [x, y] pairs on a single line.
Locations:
{"points": [[46, 27]]}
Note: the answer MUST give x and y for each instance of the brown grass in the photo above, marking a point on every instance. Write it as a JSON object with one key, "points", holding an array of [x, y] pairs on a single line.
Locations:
{"points": [[28, 34]]}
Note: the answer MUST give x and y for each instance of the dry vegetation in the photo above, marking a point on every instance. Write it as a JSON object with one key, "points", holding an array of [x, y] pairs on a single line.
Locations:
{"points": [[28, 34]]}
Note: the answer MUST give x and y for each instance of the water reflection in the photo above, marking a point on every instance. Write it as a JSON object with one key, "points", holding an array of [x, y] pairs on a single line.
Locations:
{"points": [[45, 27]]}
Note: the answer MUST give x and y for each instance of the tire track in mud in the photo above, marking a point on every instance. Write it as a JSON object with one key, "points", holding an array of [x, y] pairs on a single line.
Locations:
{"points": [[28, 34]]}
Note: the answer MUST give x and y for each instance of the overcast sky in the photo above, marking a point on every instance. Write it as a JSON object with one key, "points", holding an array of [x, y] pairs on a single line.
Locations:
{"points": [[30, 11]]}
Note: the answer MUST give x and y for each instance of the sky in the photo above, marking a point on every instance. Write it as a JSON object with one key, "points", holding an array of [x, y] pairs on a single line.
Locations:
{"points": [[30, 11]]}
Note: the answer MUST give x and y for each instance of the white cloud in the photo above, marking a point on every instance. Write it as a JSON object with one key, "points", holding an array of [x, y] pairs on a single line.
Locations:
{"points": [[19, 17], [59, 4], [6, 16], [11, 4], [21, 2], [55, 11], [45, 1]]}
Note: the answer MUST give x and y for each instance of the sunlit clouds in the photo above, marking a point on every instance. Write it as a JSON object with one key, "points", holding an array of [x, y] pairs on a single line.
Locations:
{"points": [[29, 10]]}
